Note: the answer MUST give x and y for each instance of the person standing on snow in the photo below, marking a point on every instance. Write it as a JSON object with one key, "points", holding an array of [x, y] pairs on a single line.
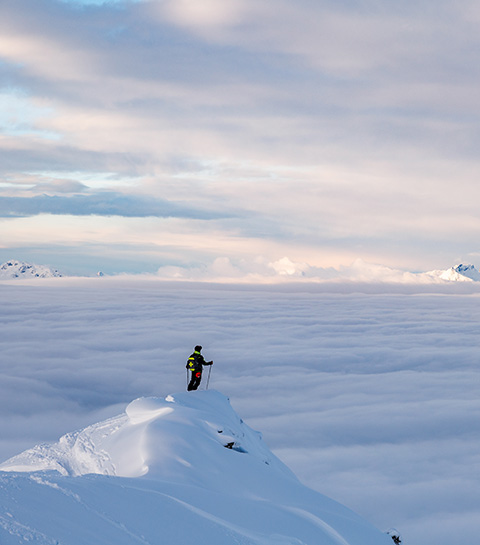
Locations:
{"points": [[195, 364]]}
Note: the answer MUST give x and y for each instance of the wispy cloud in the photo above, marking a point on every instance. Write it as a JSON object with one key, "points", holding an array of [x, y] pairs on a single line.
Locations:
{"points": [[101, 204]]}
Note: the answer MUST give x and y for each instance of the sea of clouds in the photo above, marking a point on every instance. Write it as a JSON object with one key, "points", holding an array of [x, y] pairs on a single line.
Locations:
{"points": [[369, 393]]}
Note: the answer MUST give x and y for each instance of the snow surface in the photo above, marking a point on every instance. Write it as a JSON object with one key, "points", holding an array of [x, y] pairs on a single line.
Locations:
{"points": [[181, 470]]}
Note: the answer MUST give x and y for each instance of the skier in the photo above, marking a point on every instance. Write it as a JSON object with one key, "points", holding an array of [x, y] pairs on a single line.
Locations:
{"points": [[195, 364]]}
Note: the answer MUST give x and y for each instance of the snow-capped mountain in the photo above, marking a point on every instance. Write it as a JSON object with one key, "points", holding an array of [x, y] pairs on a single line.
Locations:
{"points": [[20, 269], [182, 470], [459, 273], [465, 271]]}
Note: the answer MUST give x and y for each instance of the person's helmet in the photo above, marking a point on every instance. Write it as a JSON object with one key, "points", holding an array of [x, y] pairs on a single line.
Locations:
{"points": [[198, 348]]}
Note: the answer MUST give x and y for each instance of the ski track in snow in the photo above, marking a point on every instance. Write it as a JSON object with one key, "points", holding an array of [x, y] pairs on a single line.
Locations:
{"points": [[118, 525], [252, 539], [24, 532], [39, 479], [318, 522], [15, 528]]}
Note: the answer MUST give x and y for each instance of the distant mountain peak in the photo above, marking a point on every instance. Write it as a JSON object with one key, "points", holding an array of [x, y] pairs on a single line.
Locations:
{"points": [[468, 270], [461, 272], [20, 269], [458, 273]]}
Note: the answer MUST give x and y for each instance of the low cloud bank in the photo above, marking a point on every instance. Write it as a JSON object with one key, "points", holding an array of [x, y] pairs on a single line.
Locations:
{"points": [[263, 270]]}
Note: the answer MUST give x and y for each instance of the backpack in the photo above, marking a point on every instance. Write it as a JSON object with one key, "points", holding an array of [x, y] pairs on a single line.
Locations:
{"points": [[192, 363]]}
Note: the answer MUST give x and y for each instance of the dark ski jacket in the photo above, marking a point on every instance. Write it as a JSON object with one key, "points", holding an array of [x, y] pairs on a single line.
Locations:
{"points": [[196, 362]]}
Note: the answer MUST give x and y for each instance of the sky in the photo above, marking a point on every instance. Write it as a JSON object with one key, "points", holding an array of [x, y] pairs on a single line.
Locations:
{"points": [[139, 136], [369, 394]]}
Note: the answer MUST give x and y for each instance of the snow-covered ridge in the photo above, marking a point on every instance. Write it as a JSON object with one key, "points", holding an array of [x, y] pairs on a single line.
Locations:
{"points": [[461, 273], [20, 269], [126, 445], [185, 469]]}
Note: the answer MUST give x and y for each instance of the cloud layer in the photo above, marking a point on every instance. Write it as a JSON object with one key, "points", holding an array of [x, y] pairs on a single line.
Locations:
{"points": [[368, 394], [330, 131], [103, 204]]}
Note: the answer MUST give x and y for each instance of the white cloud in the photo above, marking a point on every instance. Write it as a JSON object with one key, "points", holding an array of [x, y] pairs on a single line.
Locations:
{"points": [[223, 269], [286, 267], [208, 14]]}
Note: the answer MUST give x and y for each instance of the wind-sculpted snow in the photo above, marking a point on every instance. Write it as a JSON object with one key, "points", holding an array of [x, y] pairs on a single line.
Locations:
{"points": [[182, 470], [154, 436]]}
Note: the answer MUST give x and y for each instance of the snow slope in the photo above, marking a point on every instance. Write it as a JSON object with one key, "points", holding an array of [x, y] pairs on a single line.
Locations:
{"points": [[182, 470]]}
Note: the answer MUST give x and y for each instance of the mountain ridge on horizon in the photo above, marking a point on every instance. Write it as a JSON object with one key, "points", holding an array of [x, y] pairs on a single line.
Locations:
{"points": [[20, 269], [359, 271]]}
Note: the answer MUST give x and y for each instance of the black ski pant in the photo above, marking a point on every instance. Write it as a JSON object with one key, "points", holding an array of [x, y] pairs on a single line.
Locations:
{"points": [[195, 380]]}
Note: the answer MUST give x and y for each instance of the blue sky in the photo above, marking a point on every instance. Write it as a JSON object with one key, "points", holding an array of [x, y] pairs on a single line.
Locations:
{"points": [[171, 133]]}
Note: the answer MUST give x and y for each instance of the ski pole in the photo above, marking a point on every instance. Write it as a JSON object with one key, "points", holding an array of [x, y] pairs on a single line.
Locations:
{"points": [[208, 378]]}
